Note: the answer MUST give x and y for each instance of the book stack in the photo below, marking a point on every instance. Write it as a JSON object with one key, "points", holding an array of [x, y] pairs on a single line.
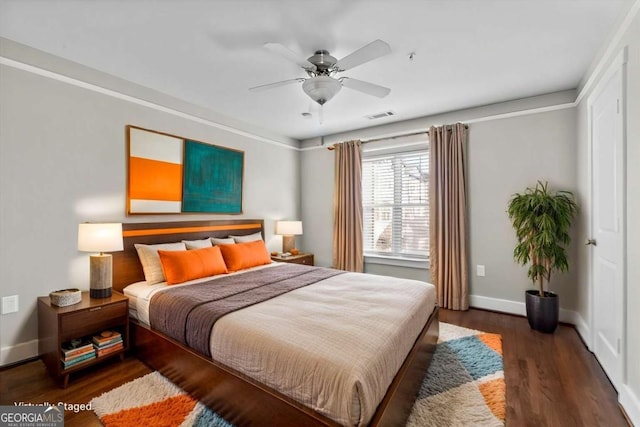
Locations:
{"points": [[107, 342], [76, 352]]}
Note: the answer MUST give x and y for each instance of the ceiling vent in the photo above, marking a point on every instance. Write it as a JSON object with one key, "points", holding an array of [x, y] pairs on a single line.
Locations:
{"points": [[381, 115]]}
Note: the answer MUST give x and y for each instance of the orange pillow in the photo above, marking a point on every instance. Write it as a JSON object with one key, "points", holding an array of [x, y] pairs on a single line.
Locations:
{"points": [[245, 255], [182, 266]]}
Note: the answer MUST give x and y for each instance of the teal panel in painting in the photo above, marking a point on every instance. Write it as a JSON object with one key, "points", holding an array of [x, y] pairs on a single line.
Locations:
{"points": [[212, 179]]}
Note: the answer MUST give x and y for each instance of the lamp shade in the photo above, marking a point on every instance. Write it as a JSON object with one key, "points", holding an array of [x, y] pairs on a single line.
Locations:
{"points": [[106, 237], [289, 228]]}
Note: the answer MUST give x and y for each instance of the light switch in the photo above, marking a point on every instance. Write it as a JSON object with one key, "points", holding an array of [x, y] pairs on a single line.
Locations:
{"points": [[9, 304], [480, 270]]}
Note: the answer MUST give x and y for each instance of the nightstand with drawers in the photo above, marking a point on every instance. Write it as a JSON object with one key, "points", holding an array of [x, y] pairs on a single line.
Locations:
{"points": [[89, 317], [306, 259]]}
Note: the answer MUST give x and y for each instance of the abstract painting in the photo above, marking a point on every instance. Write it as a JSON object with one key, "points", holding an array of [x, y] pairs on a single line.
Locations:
{"points": [[169, 174], [212, 179], [155, 172]]}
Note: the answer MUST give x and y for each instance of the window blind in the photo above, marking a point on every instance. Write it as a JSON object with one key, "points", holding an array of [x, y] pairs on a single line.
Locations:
{"points": [[395, 195]]}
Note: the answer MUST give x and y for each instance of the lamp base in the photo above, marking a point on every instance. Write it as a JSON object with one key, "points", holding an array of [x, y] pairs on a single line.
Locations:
{"points": [[100, 279], [288, 243], [100, 293]]}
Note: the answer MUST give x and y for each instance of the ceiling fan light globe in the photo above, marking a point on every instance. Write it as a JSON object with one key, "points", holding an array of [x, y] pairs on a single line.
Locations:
{"points": [[321, 88]]}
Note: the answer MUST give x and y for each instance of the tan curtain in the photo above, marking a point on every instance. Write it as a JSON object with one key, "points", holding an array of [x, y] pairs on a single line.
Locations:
{"points": [[448, 215], [347, 208]]}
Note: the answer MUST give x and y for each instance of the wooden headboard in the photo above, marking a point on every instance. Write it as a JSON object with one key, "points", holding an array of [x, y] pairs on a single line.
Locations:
{"points": [[126, 265]]}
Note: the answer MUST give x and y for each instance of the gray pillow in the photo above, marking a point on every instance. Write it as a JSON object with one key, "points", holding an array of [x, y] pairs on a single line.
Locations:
{"points": [[197, 244], [248, 238], [222, 241]]}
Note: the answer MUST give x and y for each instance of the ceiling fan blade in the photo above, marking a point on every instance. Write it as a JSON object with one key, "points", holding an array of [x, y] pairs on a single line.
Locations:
{"points": [[365, 87], [373, 50], [276, 84], [290, 55]]}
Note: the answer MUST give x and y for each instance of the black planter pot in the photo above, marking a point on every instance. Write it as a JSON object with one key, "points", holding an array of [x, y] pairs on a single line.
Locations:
{"points": [[542, 312]]}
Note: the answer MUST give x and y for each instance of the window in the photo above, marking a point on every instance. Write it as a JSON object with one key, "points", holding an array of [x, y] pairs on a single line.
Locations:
{"points": [[395, 196]]}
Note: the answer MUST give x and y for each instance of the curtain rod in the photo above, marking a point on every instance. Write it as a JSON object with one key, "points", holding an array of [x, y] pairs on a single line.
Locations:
{"points": [[364, 141], [426, 132]]}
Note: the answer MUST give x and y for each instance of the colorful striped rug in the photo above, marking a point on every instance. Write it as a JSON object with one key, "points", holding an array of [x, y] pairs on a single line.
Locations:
{"points": [[463, 387]]}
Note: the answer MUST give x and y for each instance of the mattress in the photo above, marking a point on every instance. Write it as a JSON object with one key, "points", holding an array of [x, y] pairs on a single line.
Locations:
{"points": [[334, 346]]}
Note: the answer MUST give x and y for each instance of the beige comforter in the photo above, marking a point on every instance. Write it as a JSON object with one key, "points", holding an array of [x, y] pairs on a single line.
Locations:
{"points": [[334, 346]]}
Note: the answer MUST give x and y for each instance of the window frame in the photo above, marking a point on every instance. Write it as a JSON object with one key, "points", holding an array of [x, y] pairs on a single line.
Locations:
{"points": [[395, 148]]}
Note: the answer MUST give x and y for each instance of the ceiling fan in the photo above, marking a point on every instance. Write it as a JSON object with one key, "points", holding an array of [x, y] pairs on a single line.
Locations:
{"points": [[321, 67]]}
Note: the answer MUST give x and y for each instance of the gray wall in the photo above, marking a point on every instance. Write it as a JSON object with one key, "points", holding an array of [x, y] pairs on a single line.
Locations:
{"points": [[629, 392], [397, 271], [505, 155], [63, 162]]}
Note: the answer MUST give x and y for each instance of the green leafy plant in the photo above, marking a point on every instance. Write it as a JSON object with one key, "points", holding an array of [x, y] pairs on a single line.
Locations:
{"points": [[542, 219]]}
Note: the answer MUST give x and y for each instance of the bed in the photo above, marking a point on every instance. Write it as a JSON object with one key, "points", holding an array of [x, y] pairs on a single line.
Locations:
{"points": [[236, 389]]}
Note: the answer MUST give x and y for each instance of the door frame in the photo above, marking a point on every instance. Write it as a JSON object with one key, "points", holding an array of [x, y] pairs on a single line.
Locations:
{"points": [[618, 64]]}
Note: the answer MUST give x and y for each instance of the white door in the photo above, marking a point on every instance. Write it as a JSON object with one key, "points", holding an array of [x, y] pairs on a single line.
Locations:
{"points": [[608, 222]]}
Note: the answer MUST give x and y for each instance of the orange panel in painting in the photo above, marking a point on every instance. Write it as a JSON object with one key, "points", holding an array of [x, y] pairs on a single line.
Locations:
{"points": [[154, 180]]}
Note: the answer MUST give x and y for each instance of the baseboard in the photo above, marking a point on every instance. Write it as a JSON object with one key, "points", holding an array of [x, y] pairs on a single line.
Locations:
{"points": [[519, 308], [582, 327], [19, 352], [630, 403], [496, 304]]}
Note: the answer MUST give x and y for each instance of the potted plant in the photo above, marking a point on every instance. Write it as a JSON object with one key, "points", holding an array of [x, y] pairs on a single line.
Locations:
{"points": [[541, 219]]}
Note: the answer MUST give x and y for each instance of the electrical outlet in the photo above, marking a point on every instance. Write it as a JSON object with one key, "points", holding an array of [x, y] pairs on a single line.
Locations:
{"points": [[480, 270], [10, 304]]}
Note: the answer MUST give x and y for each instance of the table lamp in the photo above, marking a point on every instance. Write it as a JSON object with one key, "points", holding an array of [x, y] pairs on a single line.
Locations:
{"points": [[106, 237], [288, 230]]}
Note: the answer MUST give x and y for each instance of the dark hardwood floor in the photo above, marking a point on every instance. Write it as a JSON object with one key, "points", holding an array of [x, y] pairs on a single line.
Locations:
{"points": [[552, 380], [30, 383]]}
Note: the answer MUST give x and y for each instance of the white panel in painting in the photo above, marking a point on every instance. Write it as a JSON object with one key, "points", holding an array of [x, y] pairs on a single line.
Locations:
{"points": [[155, 146], [155, 206]]}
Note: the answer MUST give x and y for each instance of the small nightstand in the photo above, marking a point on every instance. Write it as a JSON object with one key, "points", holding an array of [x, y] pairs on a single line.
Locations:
{"points": [[89, 317], [306, 259]]}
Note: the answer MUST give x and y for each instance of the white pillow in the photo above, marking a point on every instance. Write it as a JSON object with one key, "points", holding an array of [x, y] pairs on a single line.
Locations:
{"points": [[222, 241], [197, 244], [248, 238], [150, 259]]}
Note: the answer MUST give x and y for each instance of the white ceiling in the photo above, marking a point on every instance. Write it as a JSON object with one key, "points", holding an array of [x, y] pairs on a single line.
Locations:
{"points": [[467, 52]]}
